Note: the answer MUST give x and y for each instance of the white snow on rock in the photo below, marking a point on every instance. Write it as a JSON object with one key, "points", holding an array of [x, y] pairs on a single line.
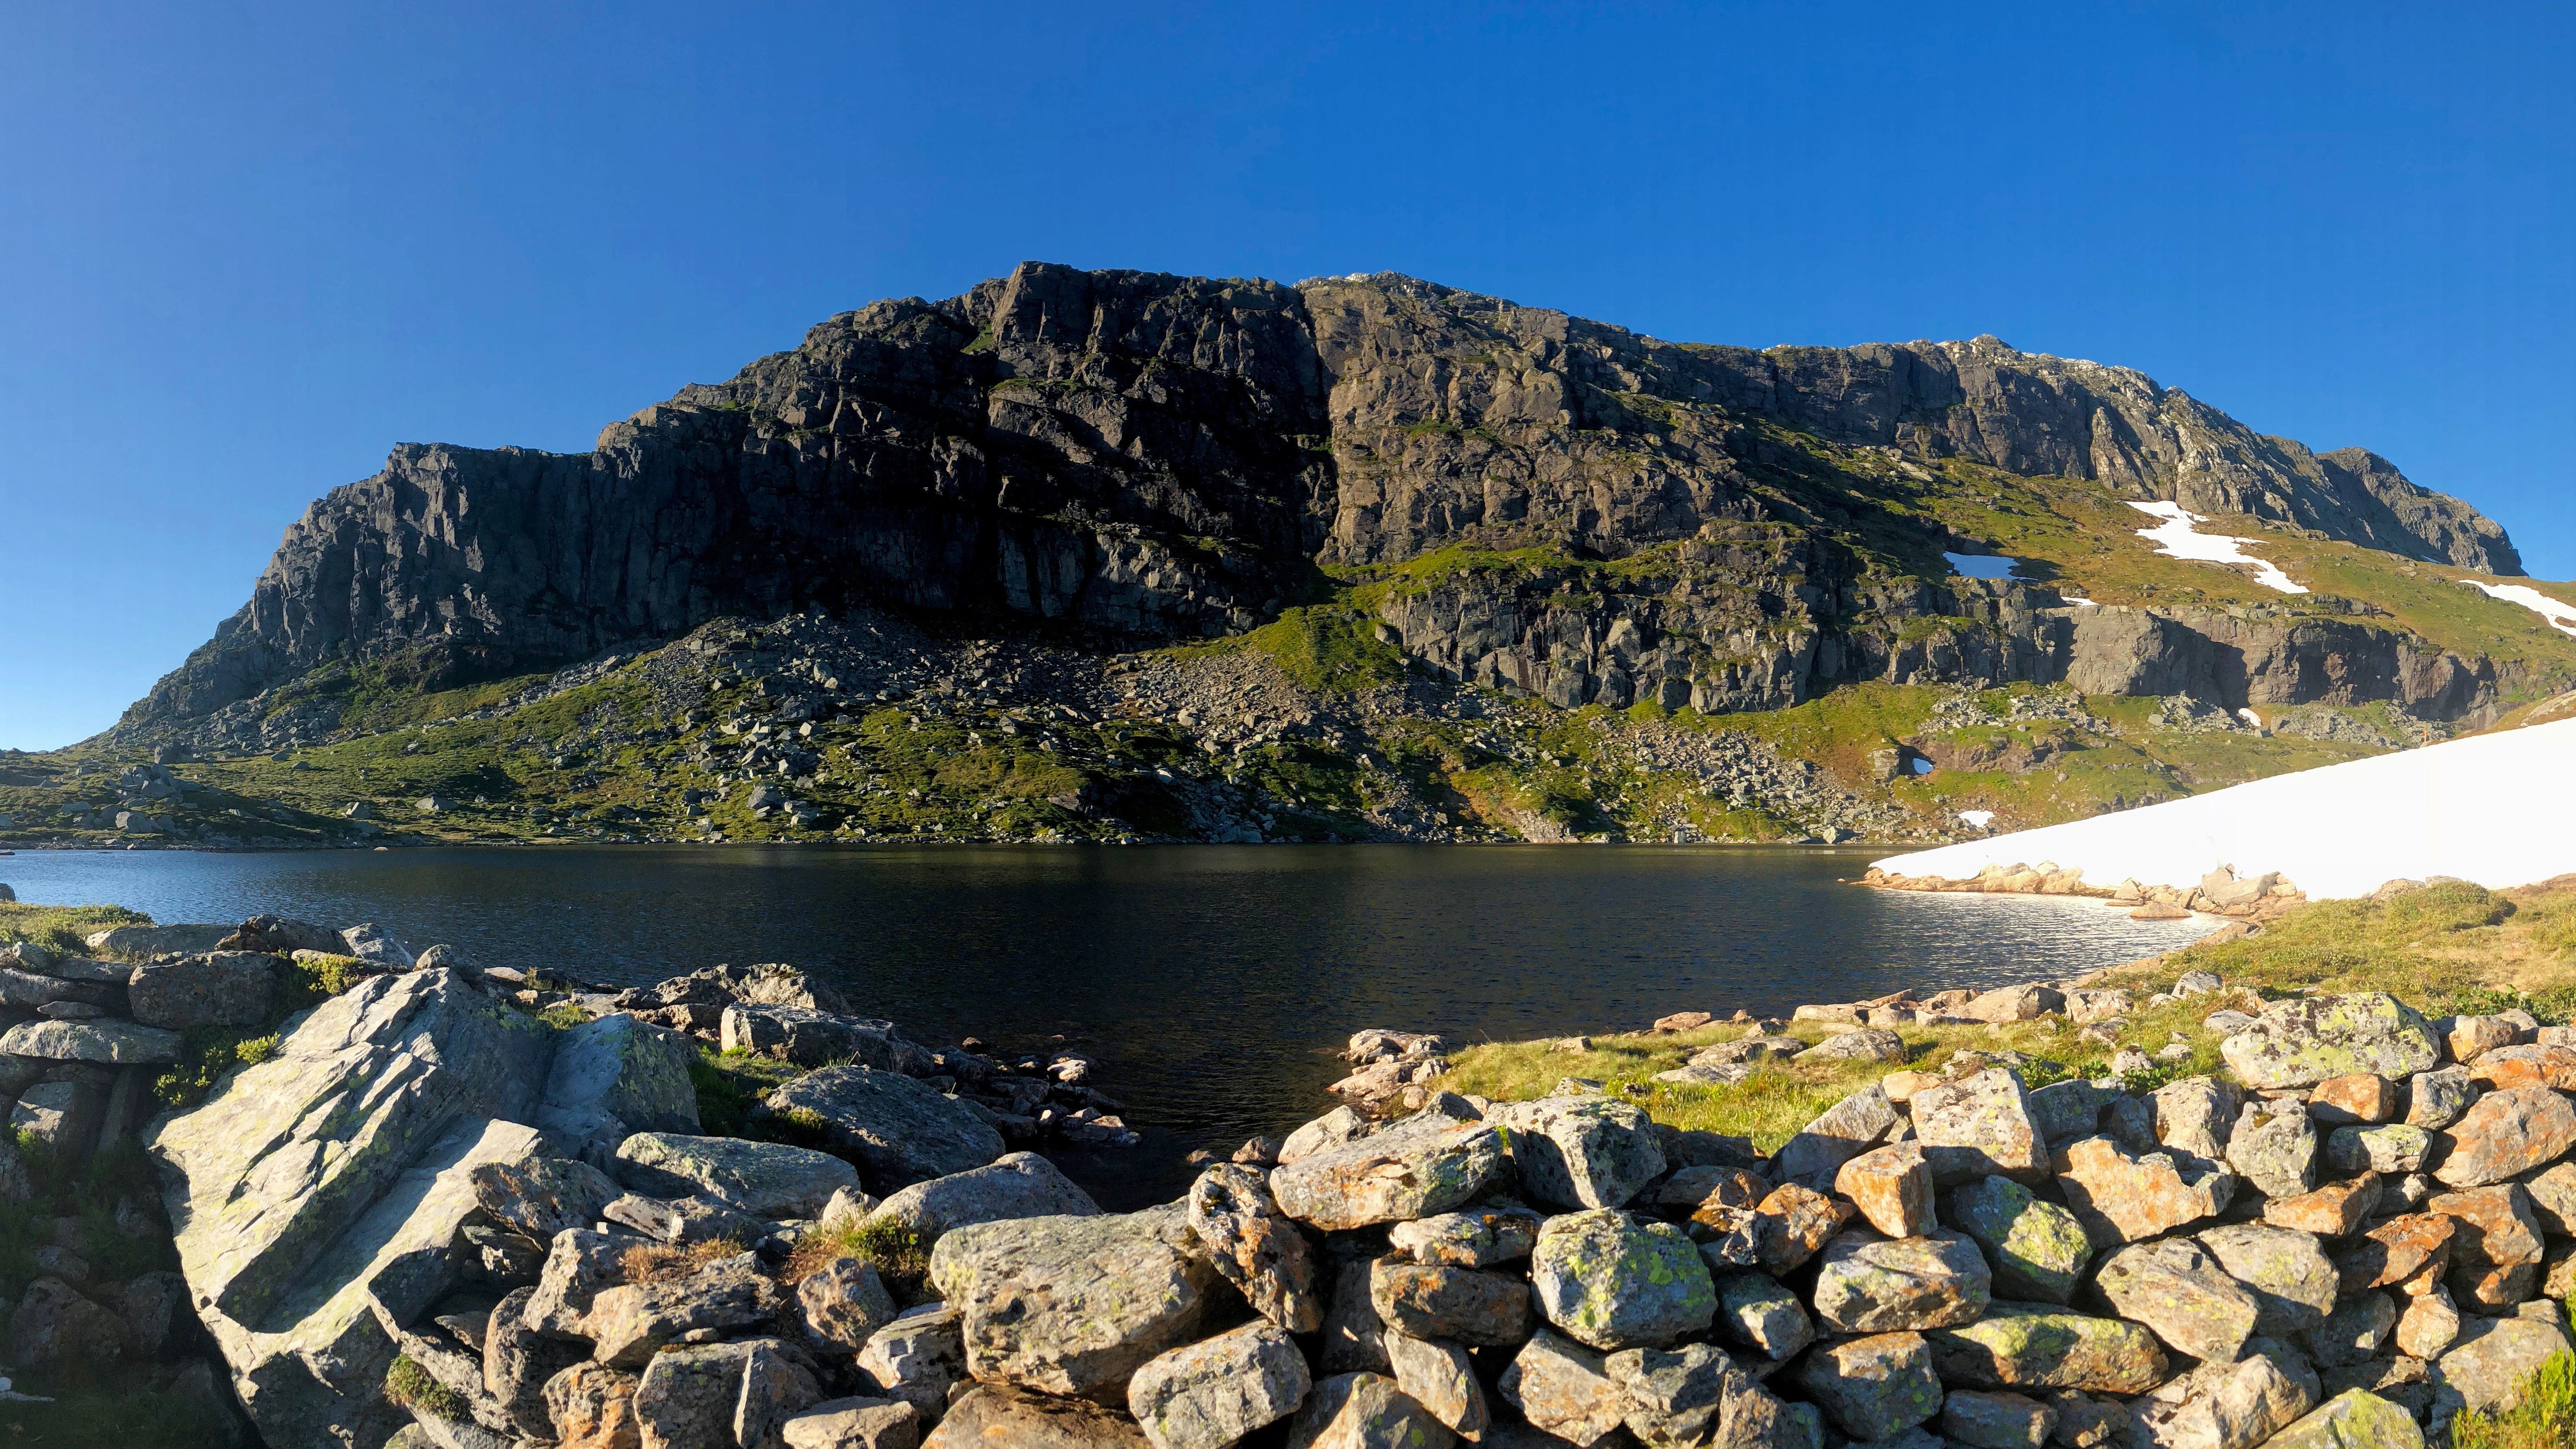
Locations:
{"points": [[2561, 616], [1982, 565], [2174, 538], [1978, 818], [2492, 809]]}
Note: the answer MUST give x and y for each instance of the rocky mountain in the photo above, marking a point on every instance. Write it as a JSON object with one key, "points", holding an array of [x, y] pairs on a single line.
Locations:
{"points": [[1151, 456], [1124, 555]]}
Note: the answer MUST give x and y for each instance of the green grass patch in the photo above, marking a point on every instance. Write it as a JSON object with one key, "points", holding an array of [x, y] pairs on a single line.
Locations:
{"points": [[409, 1386], [63, 928], [2544, 1418], [731, 1083]]}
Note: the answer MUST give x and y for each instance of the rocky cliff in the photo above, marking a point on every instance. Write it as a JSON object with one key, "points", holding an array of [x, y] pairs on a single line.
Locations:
{"points": [[1134, 456]]}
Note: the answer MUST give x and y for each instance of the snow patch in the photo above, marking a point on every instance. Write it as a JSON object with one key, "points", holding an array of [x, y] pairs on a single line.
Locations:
{"points": [[1978, 818], [2250, 717], [2491, 809], [1982, 565], [2174, 538], [2079, 602], [2561, 616]]}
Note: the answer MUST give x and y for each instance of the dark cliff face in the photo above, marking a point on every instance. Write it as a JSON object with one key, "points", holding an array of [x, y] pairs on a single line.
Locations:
{"points": [[1153, 456]]}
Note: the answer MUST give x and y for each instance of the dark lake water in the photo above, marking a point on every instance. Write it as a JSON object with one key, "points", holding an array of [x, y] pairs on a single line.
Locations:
{"points": [[1212, 983]]}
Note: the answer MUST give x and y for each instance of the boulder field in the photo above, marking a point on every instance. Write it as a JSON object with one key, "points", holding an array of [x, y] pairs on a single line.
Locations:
{"points": [[429, 1217]]}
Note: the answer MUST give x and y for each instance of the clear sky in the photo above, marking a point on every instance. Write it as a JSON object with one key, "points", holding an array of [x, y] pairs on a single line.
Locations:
{"points": [[245, 249]]}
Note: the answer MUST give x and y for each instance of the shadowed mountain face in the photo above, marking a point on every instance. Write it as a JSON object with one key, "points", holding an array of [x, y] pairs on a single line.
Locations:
{"points": [[1138, 456]]}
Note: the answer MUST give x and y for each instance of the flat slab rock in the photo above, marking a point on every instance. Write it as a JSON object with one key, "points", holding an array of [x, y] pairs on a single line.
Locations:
{"points": [[1424, 1166], [110, 1043], [2302, 1043], [764, 1179]]}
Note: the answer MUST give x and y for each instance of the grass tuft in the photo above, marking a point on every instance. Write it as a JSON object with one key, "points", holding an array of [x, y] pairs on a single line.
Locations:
{"points": [[409, 1386]]}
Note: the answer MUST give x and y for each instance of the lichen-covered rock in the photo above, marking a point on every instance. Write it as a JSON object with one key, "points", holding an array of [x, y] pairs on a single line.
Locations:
{"points": [[2195, 1116], [1462, 1304], [2293, 1283], [2178, 1290], [612, 1078], [2435, 1099], [2124, 1199], [1996, 1421], [2015, 1003], [2226, 1406], [2038, 1250], [218, 988], [1014, 1185], [543, 1196], [518, 1363], [2401, 1249], [2392, 1148], [2494, 1358], [2355, 1419], [1209, 1394], [1424, 1166], [2353, 1332], [1354, 1336], [2506, 1134], [989, 1415], [1476, 1238], [2071, 1109], [1847, 1129], [901, 1129], [2301, 1043], [1694, 1396], [1892, 1188], [1612, 1281], [2552, 1066], [687, 1396], [1255, 1245], [1792, 1224], [592, 1406], [854, 1423], [1580, 1152], [634, 1321], [1872, 1387], [2274, 1147], [1865, 1045], [1755, 1311], [917, 1358], [1564, 1389], [1871, 1284], [842, 1304], [2428, 1324], [764, 1179], [2496, 1249], [1440, 1377], [1979, 1126], [1074, 1305], [2335, 1210], [2042, 1346], [579, 1265]]}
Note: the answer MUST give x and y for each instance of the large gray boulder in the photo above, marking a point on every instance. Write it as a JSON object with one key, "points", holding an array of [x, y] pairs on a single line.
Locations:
{"points": [[817, 1038], [1613, 1281], [2179, 1290], [2293, 1283], [1075, 1305], [1208, 1395], [2038, 1250], [2301, 1043], [220, 988], [1015, 1185], [108, 1043], [1580, 1152], [1871, 1284], [901, 1130], [1847, 1129], [1429, 1164], [612, 1078], [1979, 1126], [764, 1179]]}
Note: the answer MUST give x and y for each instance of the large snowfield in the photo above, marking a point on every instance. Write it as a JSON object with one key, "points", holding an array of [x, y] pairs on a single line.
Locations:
{"points": [[2497, 809], [2176, 538]]}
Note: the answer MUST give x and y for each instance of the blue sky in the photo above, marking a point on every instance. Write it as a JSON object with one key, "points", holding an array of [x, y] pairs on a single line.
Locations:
{"points": [[247, 249]]}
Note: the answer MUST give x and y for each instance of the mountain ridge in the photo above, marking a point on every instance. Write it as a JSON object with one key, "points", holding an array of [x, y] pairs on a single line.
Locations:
{"points": [[1145, 456]]}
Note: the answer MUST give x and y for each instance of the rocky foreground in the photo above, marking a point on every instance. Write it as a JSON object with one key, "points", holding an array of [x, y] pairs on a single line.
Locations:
{"points": [[444, 1209]]}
